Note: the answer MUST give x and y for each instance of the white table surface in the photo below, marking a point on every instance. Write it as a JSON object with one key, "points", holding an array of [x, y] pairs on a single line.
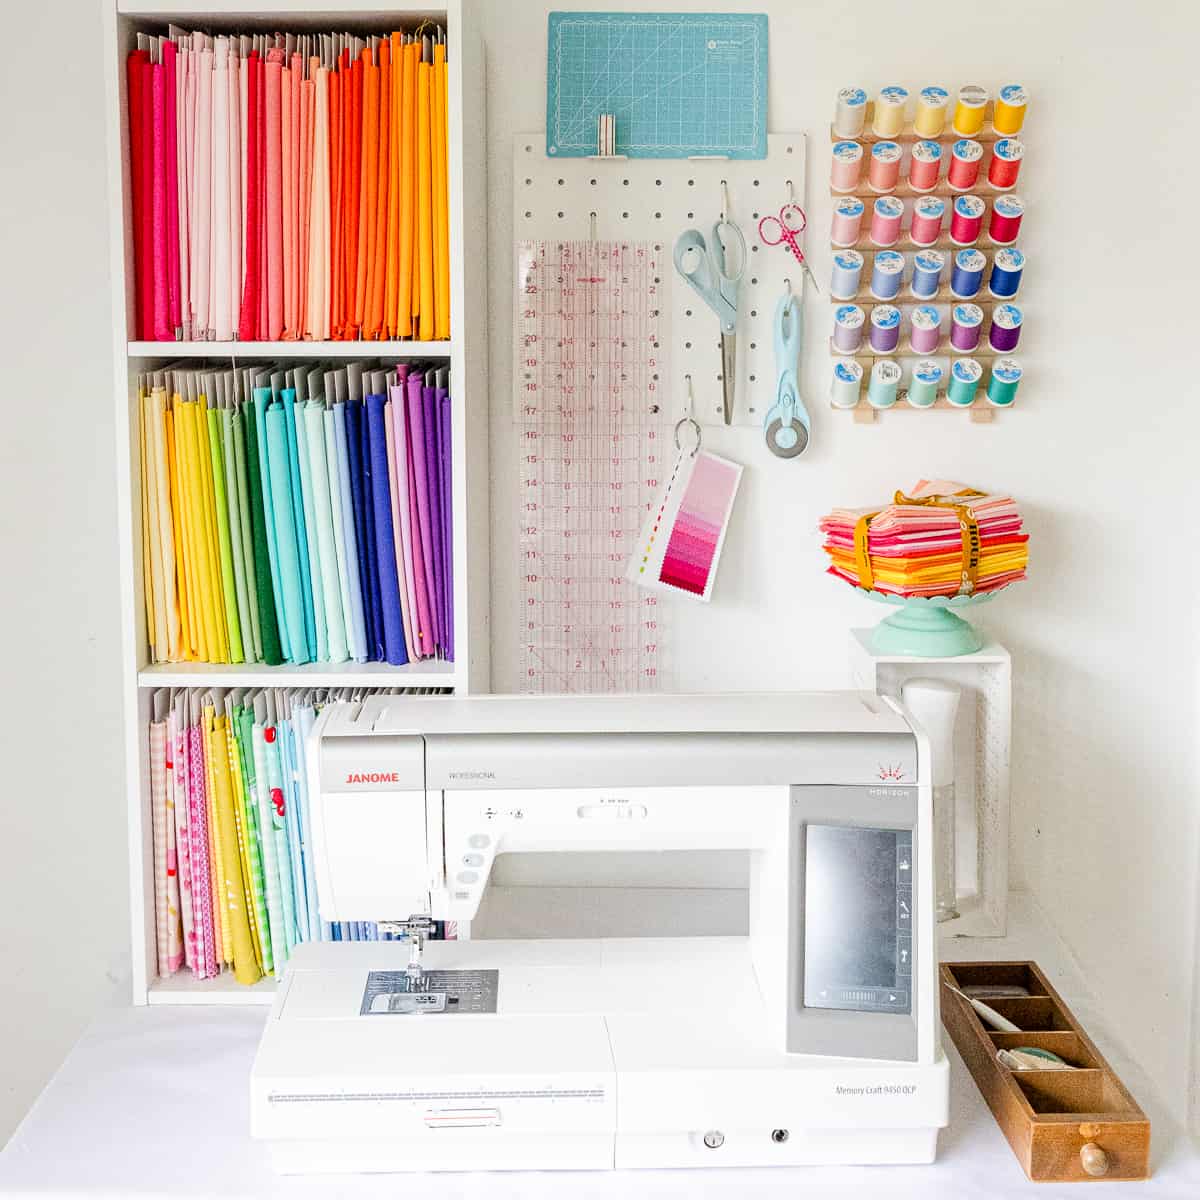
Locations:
{"points": [[154, 1102]]}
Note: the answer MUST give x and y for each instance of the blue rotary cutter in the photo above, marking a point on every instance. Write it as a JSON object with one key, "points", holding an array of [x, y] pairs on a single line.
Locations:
{"points": [[786, 425]]}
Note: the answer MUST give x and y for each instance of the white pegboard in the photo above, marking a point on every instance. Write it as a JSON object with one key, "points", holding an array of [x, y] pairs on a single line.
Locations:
{"points": [[655, 200]]}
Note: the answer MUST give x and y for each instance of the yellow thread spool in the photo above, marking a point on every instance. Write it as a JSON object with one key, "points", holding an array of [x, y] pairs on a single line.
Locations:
{"points": [[932, 103], [1009, 113], [968, 113], [890, 111]]}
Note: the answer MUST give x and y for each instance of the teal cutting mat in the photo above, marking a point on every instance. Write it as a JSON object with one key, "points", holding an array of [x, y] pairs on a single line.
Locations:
{"points": [[679, 84]]}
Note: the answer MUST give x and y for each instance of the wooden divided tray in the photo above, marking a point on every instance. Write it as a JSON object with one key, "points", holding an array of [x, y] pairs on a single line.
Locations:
{"points": [[1063, 1126]]}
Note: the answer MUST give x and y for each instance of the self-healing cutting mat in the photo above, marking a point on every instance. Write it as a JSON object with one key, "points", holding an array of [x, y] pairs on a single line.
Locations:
{"points": [[678, 84]]}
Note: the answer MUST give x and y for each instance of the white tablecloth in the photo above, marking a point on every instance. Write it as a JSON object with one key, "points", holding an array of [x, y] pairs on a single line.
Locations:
{"points": [[154, 1102]]}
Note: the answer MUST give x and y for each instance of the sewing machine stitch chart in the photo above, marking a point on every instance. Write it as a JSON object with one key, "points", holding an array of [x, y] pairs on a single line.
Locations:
{"points": [[593, 435]]}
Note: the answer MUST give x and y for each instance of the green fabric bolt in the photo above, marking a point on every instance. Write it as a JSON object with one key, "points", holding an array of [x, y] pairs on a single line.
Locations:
{"points": [[233, 502], [243, 731], [246, 520], [287, 549], [279, 942], [311, 544], [283, 855], [228, 584], [318, 470]]}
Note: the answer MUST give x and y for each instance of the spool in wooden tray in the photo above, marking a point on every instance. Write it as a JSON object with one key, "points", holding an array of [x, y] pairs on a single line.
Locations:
{"points": [[1063, 1126], [868, 136]]}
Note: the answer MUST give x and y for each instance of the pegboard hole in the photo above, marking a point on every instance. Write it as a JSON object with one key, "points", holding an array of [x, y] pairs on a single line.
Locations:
{"points": [[560, 214], [753, 345], [625, 215], [560, 183], [658, 183], [753, 278], [687, 345], [754, 249], [528, 149], [687, 312], [658, 216], [528, 214], [754, 312], [691, 183], [529, 183], [753, 378], [754, 216], [625, 182], [691, 216], [756, 183], [593, 183]]}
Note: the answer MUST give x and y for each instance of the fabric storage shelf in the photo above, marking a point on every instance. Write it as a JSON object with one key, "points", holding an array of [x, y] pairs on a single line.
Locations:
{"points": [[465, 353]]}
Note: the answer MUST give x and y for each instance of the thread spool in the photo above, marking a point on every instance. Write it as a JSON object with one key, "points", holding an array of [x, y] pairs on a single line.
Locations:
{"points": [[927, 215], [847, 275], [925, 329], [1005, 331], [924, 384], [965, 159], [1005, 224], [846, 167], [885, 328], [1007, 268], [1008, 113], [889, 112], [885, 380], [1005, 164], [847, 221], [846, 387], [885, 221], [884, 171], [924, 166], [966, 322], [1002, 386], [965, 374], [886, 274], [848, 322], [851, 112], [930, 119], [928, 266], [968, 112], [966, 220], [967, 276]]}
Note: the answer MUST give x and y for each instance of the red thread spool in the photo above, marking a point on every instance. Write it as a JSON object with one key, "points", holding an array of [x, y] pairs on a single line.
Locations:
{"points": [[1005, 166], [923, 166], [1005, 225], [966, 222], [927, 215], [884, 171], [965, 160]]}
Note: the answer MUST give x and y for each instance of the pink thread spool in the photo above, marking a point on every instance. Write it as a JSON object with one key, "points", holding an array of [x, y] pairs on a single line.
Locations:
{"points": [[965, 159], [847, 221], [925, 328], [884, 171], [1005, 225], [927, 215], [966, 324], [847, 166], [1005, 165], [923, 166], [966, 222], [885, 221]]}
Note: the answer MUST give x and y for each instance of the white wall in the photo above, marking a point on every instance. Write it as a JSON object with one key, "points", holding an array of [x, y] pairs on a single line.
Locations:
{"points": [[62, 844], [1100, 453]]}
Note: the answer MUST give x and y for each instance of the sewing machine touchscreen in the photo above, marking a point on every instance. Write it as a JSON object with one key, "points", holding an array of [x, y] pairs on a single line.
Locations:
{"points": [[858, 919]]}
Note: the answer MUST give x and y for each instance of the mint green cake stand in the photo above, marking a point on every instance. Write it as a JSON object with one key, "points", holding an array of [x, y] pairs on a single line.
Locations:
{"points": [[926, 626]]}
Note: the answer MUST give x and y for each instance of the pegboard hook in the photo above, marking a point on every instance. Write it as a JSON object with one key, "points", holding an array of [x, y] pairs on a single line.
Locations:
{"points": [[687, 412], [725, 205], [592, 225], [791, 192]]}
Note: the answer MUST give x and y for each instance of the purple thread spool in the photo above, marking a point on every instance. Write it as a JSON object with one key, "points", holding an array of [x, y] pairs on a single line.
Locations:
{"points": [[848, 323], [1005, 332], [966, 323], [885, 328], [925, 329]]}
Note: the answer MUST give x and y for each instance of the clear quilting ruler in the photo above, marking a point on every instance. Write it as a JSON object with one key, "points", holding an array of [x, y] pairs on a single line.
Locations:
{"points": [[594, 434]]}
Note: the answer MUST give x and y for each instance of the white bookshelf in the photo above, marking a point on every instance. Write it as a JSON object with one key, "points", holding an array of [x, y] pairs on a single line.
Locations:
{"points": [[466, 353]]}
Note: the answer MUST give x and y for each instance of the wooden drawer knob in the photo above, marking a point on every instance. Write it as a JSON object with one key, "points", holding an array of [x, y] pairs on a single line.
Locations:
{"points": [[1093, 1158]]}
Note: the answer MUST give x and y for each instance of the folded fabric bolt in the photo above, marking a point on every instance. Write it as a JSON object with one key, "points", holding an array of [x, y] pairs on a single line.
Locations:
{"points": [[290, 186], [234, 880], [277, 529], [940, 539]]}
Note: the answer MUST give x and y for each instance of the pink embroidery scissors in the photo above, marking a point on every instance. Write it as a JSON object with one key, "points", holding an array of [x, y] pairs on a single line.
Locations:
{"points": [[785, 230]]}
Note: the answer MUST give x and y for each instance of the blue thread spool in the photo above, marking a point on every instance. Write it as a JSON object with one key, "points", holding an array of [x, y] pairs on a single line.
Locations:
{"points": [[885, 379], [923, 387], [847, 274], [928, 266], [1006, 273], [965, 375], [1002, 387], [886, 274], [967, 277]]}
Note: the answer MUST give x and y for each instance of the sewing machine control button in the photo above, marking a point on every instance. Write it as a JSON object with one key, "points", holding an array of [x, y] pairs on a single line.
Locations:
{"points": [[468, 877], [611, 812], [478, 841], [472, 860], [714, 1139]]}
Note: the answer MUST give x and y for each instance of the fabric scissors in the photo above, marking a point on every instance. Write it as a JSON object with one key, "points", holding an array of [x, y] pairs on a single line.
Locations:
{"points": [[706, 266], [786, 229]]}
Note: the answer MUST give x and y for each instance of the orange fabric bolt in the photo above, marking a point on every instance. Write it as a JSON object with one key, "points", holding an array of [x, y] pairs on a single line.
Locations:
{"points": [[374, 314], [393, 219], [292, 251], [307, 117], [369, 175], [408, 147], [441, 200], [424, 202], [336, 230]]}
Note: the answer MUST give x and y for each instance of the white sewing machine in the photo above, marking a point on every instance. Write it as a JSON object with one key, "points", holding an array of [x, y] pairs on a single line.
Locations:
{"points": [[814, 1039]]}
